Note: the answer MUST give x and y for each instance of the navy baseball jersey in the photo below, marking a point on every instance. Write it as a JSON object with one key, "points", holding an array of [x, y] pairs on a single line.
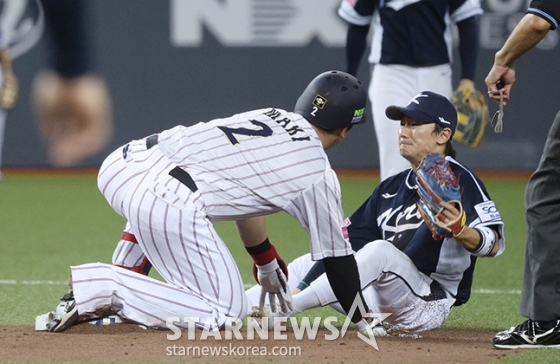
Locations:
{"points": [[404, 29], [391, 214]]}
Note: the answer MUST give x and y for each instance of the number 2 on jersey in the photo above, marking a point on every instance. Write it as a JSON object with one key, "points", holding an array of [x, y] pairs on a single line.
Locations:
{"points": [[264, 131]]}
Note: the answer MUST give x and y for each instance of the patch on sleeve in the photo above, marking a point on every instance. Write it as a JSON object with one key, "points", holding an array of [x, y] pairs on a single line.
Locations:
{"points": [[487, 211], [347, 223]]}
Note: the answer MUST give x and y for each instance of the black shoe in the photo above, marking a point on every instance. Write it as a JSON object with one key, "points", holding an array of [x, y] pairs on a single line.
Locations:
{"points": [[64, 315], [528, 334]]}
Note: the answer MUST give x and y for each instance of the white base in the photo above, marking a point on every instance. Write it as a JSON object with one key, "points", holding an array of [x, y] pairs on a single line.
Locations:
{"points": [[41, 322]]}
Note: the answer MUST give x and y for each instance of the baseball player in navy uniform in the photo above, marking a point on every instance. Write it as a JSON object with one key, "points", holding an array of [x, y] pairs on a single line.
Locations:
{"points": [[173, 185], [411, 51], [404, 271], [540, 296]]}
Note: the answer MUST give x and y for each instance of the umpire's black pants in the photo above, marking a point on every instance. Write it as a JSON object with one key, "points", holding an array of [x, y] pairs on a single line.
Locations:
{"points": [[540, 297]]}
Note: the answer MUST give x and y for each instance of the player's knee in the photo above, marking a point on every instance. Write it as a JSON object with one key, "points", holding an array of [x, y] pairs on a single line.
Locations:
{"points": [[378, 251]]}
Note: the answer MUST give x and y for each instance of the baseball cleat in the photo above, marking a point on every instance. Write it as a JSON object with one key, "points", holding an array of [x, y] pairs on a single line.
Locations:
{"points": [[387, 329], [64, 315], [528, 334]]}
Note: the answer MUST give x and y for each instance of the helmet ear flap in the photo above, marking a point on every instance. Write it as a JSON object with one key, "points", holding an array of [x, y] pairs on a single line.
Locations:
{"points": [[333, 100]]}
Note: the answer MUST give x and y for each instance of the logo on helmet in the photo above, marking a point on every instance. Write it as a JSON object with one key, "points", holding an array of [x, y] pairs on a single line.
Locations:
{"points": [[319, 101], [358, 114]]}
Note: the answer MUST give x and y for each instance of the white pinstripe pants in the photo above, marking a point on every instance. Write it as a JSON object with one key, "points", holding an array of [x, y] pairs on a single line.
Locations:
{"points": [[171, 227]]}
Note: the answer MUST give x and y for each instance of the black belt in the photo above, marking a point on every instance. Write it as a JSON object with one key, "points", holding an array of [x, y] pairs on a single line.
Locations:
{"points": [[178, 173]]}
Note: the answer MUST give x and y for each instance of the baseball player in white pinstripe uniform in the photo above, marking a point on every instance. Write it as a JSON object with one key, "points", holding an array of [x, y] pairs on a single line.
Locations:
{"points": [[171, 187]]}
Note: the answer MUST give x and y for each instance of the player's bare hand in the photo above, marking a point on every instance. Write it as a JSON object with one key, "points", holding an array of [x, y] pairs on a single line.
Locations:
{"points": [[274, 284], [449, 213]]}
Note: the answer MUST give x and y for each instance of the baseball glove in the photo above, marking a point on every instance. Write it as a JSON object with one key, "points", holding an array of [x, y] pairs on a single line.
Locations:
{"points": [[472, 116], [437, 184]]}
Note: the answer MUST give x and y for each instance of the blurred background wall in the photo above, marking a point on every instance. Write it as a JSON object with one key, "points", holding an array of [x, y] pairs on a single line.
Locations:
{"points": [[184, 61]]}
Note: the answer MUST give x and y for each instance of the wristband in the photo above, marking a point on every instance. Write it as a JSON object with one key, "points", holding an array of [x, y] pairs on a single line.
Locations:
{"points": [[263, 253], [487, 242]]}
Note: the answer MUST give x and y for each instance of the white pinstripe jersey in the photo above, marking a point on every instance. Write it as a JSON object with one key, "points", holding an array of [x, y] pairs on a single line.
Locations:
{"points": [[260, 162]]}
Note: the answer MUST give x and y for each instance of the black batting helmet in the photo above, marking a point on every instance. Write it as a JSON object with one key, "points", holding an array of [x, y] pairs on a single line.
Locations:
{"points": [[333, 100]]}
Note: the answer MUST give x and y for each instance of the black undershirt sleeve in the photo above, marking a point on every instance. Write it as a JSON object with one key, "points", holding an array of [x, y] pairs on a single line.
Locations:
{"points": [[355, 47], [316, 270], [468, 48]]}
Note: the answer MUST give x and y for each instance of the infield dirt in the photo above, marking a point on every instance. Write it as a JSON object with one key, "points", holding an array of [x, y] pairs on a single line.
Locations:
{"points": [[130, 343]]}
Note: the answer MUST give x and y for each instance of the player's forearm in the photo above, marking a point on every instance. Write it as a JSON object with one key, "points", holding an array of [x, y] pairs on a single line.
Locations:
{"points": [[355, 47], [254, 236], [252, 231], [468, 46], [527, 34], [469, 237], [473, 240], [316, 270]]}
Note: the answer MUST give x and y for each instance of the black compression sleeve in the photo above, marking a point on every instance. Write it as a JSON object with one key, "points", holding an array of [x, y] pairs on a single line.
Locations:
{"points": [[314, 273], [468, 47], [355, 47], [344, 278]]}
